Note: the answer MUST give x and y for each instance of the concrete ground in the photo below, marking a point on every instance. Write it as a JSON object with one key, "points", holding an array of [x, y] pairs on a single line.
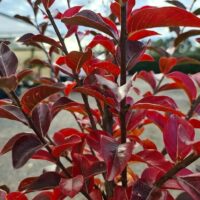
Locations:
{"points": [[11, 177]]}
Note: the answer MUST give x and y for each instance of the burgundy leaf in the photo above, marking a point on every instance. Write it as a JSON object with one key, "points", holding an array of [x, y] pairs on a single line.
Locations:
{"points": [[46, 195], [135, 50], [177, 3], [24, 148], [47, 3], [9, 145], [8, 61], [88, 165], [13, 113], [186, 83], [24, 18], [22, 74], [90, 19], [35, 95], [115, 156], [177, 134], [28, 38], [71, 187], [120, 193], [191, 185], [147, 17], [41, 118], [8, 83], [25, 183], [46, 181], [185, 35]]}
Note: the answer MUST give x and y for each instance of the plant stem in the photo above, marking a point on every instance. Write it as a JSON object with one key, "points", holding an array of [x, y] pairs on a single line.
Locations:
{"points": [[184, 163], [123, 40], [84, 97], [193, 107], [57, 31]]}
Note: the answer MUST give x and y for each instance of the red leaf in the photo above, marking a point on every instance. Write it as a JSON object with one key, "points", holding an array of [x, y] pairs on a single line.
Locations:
{"points": [[47, 3], [35, 95], [69, 85], [191, 185], [9, 145], [43, 155], [75, 60], [61, 136], [106, 65], [157, 119], [95, 94], [195, 123], [29, 38], [16, 196], [134, 119], [131, 4], [104, 41], [46, 181], [185, 83], [90, 19], [69, 13], [160, 103], [8, 61], [138, 35], [146, 57], [116, 10], [115, 156], [150, 19], [47, 195], [166, 64], [71, 187], [13, 113], [69, 143], [24, 148], [152, 158], [148, 77], [177, 134], [41, 118]]}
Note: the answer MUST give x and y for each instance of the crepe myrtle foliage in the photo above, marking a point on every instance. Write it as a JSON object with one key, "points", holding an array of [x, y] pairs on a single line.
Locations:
{"points": [[102, 153]]}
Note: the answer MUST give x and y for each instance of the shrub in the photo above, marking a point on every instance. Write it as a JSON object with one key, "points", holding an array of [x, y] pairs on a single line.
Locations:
{"points": [[109, 142]]}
